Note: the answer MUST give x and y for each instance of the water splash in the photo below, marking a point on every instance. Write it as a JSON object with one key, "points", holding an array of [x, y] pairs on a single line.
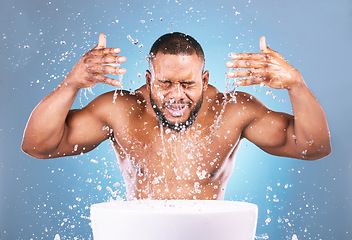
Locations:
{"points": [[116, 89], [133, 41], [229, 96], [294, 237], [164, 152], [262, 236], [228, 91]]}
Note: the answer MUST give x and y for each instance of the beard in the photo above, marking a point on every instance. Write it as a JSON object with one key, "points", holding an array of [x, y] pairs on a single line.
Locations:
{"points": [[176, 126]]}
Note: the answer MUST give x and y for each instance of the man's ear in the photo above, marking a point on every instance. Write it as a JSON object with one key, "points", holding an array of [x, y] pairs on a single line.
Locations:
{"points": [[205, 78], [148, 78]]}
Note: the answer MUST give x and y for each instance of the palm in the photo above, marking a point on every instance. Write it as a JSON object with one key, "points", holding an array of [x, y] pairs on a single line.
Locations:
{"points": [[268, 68]]}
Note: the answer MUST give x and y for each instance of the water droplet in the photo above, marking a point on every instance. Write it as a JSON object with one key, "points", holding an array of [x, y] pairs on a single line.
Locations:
{"points": [[94, 161], [262, 237], [134, 41], [294, 237]]}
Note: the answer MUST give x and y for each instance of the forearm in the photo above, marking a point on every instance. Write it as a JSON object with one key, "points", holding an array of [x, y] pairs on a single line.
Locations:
{"points": [[310, 127], [46, 125]]}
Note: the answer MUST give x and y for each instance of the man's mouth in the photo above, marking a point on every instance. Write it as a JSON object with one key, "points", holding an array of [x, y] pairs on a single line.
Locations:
{"points": [[176, 110]]}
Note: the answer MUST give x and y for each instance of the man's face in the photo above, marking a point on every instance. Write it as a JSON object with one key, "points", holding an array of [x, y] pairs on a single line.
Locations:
{"points": [[176, 84]]}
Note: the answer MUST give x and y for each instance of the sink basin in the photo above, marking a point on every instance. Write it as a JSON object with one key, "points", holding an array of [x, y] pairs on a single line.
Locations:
{"points": [[174, 220]]}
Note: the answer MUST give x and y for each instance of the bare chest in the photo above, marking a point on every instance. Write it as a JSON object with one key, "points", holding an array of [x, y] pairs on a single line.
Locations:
{"points": [[159, 163]]}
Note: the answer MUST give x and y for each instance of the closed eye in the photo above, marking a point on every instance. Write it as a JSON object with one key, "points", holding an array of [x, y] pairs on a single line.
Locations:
{"points": [[187, 84], [168, 83], [165, 83]]}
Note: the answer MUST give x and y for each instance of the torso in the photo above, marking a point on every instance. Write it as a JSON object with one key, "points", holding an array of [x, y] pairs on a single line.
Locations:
{"points": [[158, 163]]}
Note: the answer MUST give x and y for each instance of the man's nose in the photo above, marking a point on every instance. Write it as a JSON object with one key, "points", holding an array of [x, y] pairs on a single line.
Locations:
{"points": [[176, 91]]}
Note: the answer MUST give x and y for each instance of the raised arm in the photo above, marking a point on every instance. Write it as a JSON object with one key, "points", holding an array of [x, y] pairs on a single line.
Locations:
{"points": [[304, 135], [53, 129]]}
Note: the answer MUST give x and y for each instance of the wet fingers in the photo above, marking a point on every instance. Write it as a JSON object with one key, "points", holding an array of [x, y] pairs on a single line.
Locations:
{"points": [[105, 69], [243, 73], [249, 81], [246, 64], [104, 51], [250, 56], [105, 59], [106, 80]]}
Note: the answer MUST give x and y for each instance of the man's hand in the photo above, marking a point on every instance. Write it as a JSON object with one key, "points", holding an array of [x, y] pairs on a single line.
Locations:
{"points": [[267, 67], [95, 64]]}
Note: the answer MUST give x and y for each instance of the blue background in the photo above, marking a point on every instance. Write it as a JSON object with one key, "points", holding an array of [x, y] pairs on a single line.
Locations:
{"points": [[42, 40]]}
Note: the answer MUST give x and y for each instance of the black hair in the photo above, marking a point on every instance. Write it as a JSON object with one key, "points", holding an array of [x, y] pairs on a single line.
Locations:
{"points": [[176, 43]]}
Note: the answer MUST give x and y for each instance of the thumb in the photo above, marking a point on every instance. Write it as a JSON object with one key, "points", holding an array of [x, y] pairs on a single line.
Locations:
{"points": [[263, 47], [101, 42]]}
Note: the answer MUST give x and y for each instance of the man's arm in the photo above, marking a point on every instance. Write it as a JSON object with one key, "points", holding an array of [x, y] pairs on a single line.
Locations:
{"points": [[53, 129], [304, 135]]}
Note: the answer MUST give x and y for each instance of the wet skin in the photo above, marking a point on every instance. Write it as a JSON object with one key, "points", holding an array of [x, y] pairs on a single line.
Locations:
{"points": [[195, 163]]}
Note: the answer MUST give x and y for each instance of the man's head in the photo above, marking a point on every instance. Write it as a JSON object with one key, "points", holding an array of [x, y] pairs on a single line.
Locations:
{"points": [[176, 79]]}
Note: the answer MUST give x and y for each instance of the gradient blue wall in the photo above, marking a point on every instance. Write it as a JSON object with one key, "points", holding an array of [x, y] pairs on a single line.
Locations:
{"points": [[42, 40]]}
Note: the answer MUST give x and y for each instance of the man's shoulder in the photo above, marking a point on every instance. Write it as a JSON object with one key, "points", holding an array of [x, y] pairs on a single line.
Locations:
{"points": [[242, 99], [118, 107], [121, 97], [242, 103], [118, 101], [230, 96]]}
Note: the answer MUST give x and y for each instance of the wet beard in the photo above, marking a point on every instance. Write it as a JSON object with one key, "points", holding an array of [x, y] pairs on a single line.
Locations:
{"points": [[176, 126]]}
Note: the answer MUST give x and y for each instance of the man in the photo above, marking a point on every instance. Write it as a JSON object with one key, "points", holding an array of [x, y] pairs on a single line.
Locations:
{"points": [[176, 136]]}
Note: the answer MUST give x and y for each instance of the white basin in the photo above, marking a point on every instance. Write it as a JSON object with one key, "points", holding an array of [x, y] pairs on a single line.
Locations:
{"points": [[174, 220]]}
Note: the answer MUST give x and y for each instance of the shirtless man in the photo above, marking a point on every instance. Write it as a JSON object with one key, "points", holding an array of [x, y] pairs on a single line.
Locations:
{"points": [[176, 136]]}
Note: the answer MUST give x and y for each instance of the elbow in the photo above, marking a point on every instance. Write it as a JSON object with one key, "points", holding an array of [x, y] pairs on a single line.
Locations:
{"points": [[26, 148], [325, 151], [33, 151], [317, 153]]}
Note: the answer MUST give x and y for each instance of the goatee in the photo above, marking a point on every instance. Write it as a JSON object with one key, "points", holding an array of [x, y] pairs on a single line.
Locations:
{"points": [[176, 126]]}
